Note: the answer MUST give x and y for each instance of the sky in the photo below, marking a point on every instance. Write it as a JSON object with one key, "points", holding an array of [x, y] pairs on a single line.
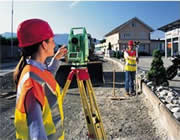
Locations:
{"points": [[98, 17]]}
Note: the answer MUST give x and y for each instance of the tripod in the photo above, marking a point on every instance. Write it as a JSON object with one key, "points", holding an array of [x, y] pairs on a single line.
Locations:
{"points": [[91, 111]]}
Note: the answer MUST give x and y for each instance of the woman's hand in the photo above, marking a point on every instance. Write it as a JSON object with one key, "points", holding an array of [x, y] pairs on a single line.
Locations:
{"points": [[61, 52]]}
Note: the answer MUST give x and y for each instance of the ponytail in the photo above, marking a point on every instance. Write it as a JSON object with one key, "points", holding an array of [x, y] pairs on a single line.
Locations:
{"points": [[19, 69], [27, 52]]}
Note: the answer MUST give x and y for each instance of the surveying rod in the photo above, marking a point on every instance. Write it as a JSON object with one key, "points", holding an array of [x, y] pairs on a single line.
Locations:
{"points": [[114, 80], [137, 47]]}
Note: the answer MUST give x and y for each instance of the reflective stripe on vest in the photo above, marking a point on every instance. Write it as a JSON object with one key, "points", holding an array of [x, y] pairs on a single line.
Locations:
{"points": [[130, 65], [32, 78]]}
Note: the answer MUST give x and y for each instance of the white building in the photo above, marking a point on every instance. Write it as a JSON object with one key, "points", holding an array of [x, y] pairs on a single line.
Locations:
{"points": [[172, 38], [135, 30]]}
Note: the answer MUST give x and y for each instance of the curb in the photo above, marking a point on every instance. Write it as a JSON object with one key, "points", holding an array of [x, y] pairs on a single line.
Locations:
{"points": [[167, 120]]}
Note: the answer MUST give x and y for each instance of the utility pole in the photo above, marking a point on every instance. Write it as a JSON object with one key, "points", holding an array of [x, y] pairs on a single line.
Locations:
{"points": [[12, 12]]}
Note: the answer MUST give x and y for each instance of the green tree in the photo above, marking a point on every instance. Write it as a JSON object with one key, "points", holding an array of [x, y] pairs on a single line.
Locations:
{"points": [[157, 73], [109, 46], [7, 41], [103, 41]]}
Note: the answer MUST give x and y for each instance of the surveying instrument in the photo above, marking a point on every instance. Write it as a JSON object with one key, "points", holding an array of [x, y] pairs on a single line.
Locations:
{"points": [[78, 52], [137, 56]]}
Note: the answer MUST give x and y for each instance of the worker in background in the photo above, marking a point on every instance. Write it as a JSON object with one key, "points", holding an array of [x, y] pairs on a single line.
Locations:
{"points": [[130, 68], [33, 118]]}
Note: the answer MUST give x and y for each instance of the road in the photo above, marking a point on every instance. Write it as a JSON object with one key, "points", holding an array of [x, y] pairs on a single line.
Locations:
{"points": [[145, 62], [8, 67]]}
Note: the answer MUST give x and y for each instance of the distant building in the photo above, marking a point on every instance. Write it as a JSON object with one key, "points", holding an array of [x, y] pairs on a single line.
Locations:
{"points": [[157, 44], [135, 30], [172, 38]]}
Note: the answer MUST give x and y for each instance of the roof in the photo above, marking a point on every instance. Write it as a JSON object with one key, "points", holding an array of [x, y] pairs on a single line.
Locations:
{"points": [[170, 26], [126, 23]]}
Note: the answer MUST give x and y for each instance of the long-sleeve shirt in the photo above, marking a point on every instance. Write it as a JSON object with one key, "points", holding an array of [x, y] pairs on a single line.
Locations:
{"points": [[33, 108], [126, 56], [52, 66]]}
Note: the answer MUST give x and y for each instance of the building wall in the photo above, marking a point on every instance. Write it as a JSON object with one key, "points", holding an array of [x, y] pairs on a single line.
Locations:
{"points": [[113, 39], [144, 48], [172, 42], [134, 31], [172, 34], [157, 45]]}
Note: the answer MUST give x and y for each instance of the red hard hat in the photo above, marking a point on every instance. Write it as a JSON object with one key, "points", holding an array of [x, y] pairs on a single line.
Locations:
{"points": [[130, 43], [33, 31]]}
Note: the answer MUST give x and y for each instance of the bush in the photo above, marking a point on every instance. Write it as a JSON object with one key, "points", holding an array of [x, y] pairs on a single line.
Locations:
{"points": [[157, 73], [109, 46], [114, 54], [118, 54]]}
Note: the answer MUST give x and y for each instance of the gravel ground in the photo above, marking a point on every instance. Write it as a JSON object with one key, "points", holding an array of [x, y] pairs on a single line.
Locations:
{"points": [[130, 119], [127, 119], [7, 130]]}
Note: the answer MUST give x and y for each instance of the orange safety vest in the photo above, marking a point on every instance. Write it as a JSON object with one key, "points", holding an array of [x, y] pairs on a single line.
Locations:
{"points": [[34, 79], [130, 65]]}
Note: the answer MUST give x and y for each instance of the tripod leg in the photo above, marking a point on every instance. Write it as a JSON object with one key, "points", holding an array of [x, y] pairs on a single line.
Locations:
{"points": [[67, 84], [99, 125], [87, 111], [65, 89]]}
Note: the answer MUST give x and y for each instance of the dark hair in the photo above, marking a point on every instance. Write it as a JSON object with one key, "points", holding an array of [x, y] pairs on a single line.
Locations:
{"points": [[26, 52]]}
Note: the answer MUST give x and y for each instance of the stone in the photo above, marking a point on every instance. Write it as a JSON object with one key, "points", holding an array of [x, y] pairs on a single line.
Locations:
{"points": [[149, 83], [163, 93], [164, 101], [170, 106], [175, 101], [178, 73], [169, 99], [142, 74], [177, 115], [170, 93], [178, 100], [175, 109], [170, 89], [160, 88], [162, 98], [176, 94], [145, 80], [153, 88]]}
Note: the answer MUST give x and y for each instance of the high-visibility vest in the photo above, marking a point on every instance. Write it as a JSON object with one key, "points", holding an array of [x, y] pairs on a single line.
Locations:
{"points": [[34, 79], [130, 65]]}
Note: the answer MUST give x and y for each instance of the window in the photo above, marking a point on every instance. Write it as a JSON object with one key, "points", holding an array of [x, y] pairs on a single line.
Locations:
{"points": [[126, 35], [142, 48], [133, 24]]}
